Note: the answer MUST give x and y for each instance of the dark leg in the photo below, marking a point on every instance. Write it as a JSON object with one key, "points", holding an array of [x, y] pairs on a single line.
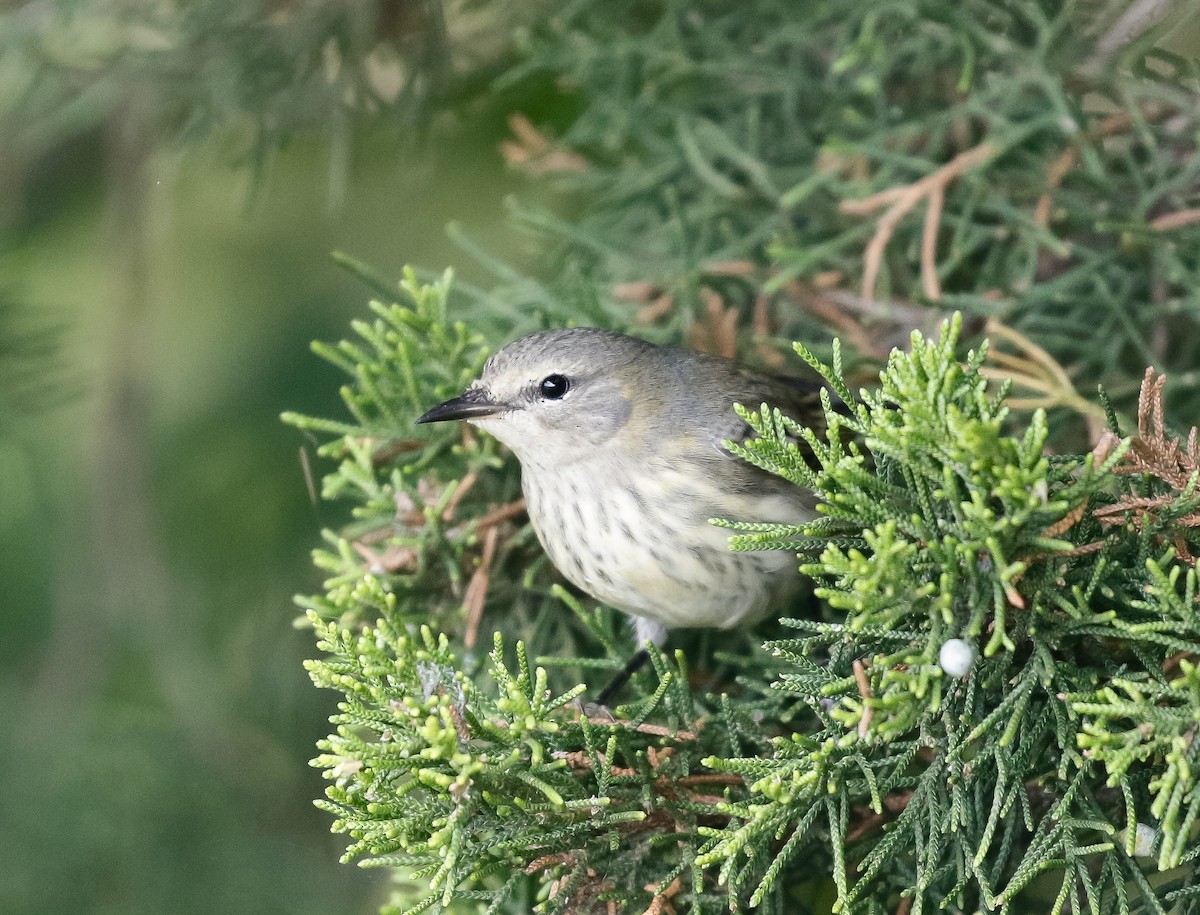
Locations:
{"points": [[635, 664]]}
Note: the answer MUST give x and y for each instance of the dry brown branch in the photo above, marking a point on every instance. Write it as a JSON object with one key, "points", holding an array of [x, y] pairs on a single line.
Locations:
{"points": [[562, 859], [656, 729], [717, 778], [901, 200], [864, 690], [1175, 220], [532, 153], [1156, 454], [740, 267], [387, 451], [477, 587], [659, 308], [581, 761], [640, 291], [407, 511], [577, 760], [461, 728], [760, 323], [1170, 667], [586, 892], [661, 903], [1054, 177], [464, 487], [869, 820], [501, 514], [392, 560], [1034, 369], [1067, 521], [1181, 549], [826, 308], [764, 328], [1069, 158], [1082, 550], [717, 333], [1013, 596], [1141, 505], [933, 220]]}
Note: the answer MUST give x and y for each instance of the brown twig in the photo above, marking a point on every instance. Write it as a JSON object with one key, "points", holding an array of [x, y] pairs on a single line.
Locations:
{"points": [[718, 332], [1054, 177], [1082, 550], [461, 728], [1175, 220], [760, 322], [739, 267], [933, 219], [477, 587], [562, 859], [501, 514], [901, 200], [893, 804], [656, 729], [661, 903], [390, 449], [1154, 453], [864, 690], [1069, 158], [394, 559], [826, 308], [659, 308], [1170, 667], [717, 778], [464, 487], [530, 151], [1037, 371], [1067, 521], [635, 291]]}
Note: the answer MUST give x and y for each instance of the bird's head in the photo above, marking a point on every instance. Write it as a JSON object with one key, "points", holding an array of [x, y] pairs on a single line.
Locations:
{"points": [[560, 394]]}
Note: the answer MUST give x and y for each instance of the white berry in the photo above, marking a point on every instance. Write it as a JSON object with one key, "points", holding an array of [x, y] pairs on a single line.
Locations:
{"points": [[956, 657], [1144, 838]]}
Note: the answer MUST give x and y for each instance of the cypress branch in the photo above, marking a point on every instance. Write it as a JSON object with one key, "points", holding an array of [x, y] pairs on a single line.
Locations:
{"points": [[787, 171]]}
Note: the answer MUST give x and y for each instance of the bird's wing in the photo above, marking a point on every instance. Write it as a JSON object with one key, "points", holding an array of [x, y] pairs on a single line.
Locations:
{"points": [[798, 398]]}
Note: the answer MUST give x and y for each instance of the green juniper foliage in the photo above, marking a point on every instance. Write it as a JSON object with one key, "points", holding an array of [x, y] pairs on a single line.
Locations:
{"points": [[742, 175], [840, 163], [848, 772], [1068, 728]]}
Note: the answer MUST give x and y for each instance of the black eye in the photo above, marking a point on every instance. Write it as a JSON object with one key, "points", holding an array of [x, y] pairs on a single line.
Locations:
{"points": [[554, 387]]}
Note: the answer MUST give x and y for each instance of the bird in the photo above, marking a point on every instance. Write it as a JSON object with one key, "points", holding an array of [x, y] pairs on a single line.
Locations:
{"points": [[623, 466]]}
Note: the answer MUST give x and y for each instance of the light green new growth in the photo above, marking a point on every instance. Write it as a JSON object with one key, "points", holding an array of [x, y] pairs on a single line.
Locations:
{"points": [[993, 789]]}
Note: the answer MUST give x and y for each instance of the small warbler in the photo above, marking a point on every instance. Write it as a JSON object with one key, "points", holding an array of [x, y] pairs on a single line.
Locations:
{"points": [[622, 466]]}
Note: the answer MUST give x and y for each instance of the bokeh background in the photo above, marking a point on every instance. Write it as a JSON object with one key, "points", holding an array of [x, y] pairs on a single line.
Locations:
{"points": [[164, 265]]}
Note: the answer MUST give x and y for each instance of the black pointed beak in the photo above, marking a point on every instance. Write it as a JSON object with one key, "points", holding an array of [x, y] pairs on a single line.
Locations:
{"points": [[471, 404]]}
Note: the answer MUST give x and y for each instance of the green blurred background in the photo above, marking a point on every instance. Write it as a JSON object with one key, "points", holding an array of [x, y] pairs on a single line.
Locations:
{"points": [[157, 300]]}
